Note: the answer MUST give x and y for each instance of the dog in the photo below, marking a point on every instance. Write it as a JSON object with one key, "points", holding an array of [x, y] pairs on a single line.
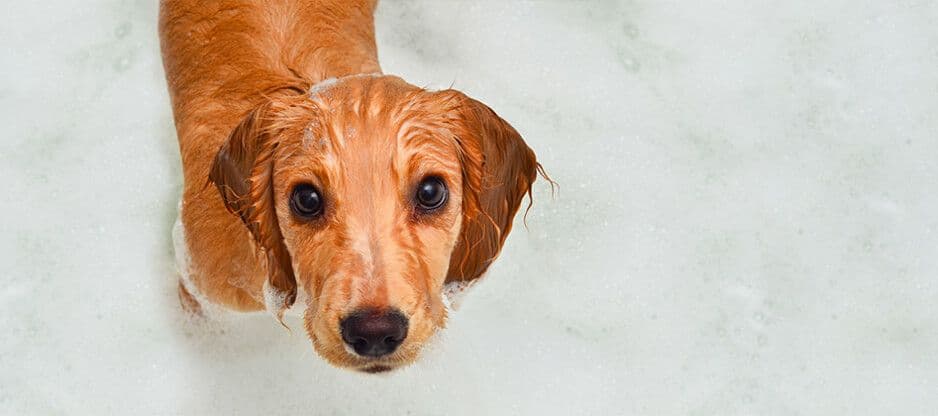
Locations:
{"points": [[308, 170]]}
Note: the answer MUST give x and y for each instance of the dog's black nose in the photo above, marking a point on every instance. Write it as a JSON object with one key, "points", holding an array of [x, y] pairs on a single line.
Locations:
{"points": [[373, 333]]}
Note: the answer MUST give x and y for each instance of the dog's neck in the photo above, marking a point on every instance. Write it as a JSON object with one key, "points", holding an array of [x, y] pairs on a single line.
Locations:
{"points": [[339, 41]]}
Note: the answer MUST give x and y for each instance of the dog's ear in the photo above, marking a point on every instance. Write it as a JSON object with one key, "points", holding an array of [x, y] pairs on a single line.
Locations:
{"points": [[498, 170], [243, 173]]}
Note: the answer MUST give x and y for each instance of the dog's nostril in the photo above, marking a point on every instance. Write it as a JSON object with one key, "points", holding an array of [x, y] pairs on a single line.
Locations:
{"points": [[373, 333], [359, 343]]}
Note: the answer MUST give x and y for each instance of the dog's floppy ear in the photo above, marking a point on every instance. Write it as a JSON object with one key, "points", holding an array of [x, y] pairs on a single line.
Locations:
{"points": [[243, 173], [498, 171]]}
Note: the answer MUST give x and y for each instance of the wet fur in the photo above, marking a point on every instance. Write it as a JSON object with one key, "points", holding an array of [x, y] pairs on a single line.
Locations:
{"points": [[251, 125]]}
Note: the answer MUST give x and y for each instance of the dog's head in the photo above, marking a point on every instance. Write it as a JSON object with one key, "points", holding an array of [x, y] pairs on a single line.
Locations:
{"points": [[371, 194]]}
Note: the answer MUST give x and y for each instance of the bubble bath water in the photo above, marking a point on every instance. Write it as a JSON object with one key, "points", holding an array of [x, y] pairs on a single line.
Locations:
{"points": [[744, 224]]}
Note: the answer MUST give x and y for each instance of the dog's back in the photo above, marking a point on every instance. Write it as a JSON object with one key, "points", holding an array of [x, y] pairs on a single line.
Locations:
{"points": [[220, 57]]}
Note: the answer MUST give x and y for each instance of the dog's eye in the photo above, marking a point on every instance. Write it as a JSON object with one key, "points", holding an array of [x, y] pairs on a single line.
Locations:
{"points": [[306, 201], [431, 194]]}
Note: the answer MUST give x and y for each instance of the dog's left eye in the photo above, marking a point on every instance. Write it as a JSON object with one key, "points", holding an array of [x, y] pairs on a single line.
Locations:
{"points": [[431, 194], [306, 201]]}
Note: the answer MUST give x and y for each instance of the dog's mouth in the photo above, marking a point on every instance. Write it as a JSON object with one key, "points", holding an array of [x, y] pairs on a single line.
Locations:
{"points": [[379, 365], [376, 365], [377, 368]]}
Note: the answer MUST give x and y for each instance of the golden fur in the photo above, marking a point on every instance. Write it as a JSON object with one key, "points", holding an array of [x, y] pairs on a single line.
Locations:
{"points": [[241, 76]]}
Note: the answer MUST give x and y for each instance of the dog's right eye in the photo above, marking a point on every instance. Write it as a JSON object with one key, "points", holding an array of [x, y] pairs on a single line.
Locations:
{"points": [[306, 201], [431, 194]]}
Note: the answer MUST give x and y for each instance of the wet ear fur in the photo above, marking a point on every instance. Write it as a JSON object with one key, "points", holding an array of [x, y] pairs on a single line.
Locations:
{"points": [[243, 173], [498, 171]]}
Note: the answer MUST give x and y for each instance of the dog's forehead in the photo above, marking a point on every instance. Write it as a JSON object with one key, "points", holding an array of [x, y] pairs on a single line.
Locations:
{"points": [[373, 110], [373, 123]]}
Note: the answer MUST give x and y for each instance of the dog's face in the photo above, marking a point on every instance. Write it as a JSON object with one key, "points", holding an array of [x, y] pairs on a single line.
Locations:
{"points": [[371, 194]]}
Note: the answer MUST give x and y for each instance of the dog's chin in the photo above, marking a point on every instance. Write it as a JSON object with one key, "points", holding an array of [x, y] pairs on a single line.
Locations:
{"points": [[378, 365], [350, 361], [376, 368]]}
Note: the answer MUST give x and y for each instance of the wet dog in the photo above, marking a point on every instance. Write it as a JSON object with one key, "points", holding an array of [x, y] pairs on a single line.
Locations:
{"points": [[358, 190]]}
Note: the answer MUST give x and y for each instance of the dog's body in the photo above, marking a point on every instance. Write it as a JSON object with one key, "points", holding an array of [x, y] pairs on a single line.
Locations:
{"points": [[241, 76]]}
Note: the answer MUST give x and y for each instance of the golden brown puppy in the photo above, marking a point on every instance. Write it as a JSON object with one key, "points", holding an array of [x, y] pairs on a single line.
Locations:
{"points": [[362, 192]]}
